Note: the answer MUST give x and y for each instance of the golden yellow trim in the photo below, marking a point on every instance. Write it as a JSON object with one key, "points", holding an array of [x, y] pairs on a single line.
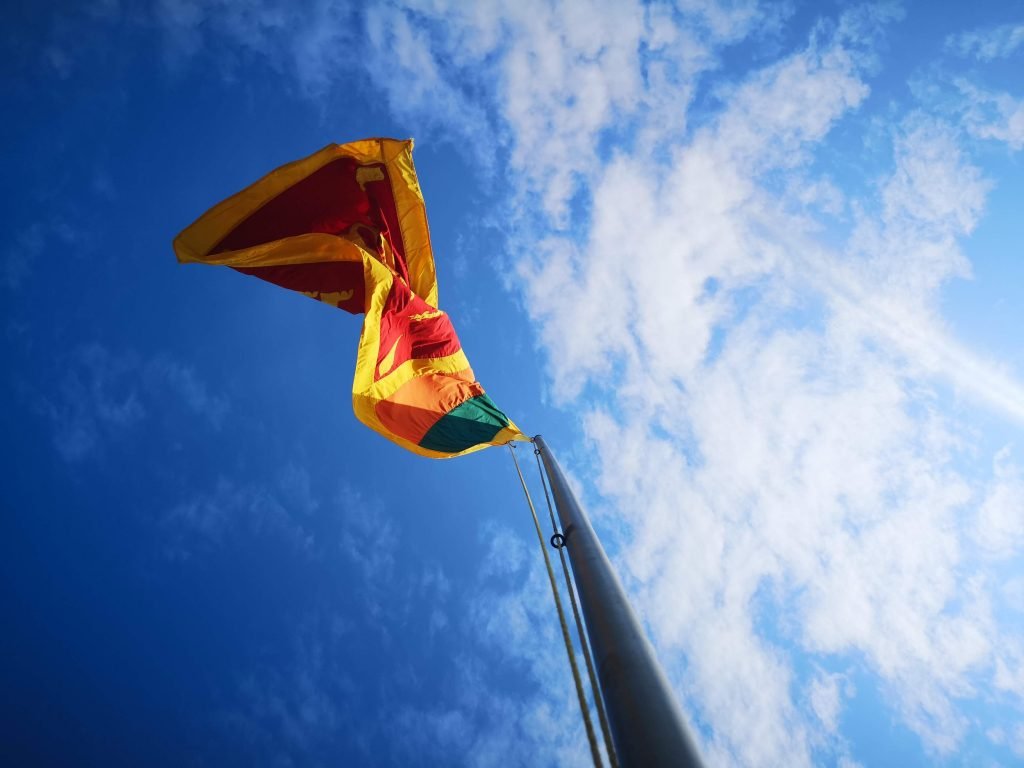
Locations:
{"points": [[195, 243], [377, 280], [412, 218], [209, 229], [301, 249], [417, 366]]}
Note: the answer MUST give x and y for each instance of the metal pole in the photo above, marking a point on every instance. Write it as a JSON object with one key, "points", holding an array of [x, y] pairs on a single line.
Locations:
{"points": [[646, 722]]}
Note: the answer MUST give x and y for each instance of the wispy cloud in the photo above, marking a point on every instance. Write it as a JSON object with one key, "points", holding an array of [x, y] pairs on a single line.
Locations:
{"points": [[164, 374], [988, 43], [803, 385], [309, 703], [999, 526], [98, 398], [30, 244], [103, 396], [475, 719], [771, 391], [826, 693], [296, 712], [231, 511], [808, 458], [369, 539], [993, 115]]}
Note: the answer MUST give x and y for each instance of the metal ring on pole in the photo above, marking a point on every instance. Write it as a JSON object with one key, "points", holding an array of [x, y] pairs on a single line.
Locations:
{"points": [[557, 540]]}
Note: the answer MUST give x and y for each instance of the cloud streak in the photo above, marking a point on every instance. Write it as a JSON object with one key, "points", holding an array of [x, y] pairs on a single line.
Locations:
{"points": [[755, 335], [988, 43], [104, 396]]}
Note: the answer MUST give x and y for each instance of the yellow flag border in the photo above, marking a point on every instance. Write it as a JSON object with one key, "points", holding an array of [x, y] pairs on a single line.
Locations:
{"points": [[194, 243]]}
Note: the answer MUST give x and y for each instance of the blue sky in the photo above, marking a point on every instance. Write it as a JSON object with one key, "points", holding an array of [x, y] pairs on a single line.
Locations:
{"points": [[754, 269]]}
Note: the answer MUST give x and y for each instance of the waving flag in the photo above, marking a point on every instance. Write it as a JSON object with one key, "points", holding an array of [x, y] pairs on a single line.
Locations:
{"points": [[347, 226]]}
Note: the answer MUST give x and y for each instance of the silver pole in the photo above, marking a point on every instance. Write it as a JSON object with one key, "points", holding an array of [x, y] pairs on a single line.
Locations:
{"points": [[646, 721]]}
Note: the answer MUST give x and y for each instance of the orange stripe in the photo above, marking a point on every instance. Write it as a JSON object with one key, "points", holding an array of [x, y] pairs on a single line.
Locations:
{"points": [[417, 405]]}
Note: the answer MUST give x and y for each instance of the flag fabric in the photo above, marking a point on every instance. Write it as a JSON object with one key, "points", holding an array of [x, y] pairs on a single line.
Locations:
{"points": [[347, 226]]}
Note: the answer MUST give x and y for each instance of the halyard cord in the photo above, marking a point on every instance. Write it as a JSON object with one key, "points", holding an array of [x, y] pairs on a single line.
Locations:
{"points": [[591, 737], [601, 715]]}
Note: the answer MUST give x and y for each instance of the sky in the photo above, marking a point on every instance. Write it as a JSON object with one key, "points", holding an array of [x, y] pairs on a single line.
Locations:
{"points": [[754, 269]]}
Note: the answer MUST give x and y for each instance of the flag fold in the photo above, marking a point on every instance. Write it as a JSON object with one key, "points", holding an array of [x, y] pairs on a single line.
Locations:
{"points": [[347, 226]]}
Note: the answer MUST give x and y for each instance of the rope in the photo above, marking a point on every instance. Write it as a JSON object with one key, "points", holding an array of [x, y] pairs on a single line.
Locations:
{"points": [[601, 714], [591, 737]]}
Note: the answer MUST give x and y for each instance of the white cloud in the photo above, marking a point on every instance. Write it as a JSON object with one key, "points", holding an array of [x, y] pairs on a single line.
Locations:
{"points": [[826, 699], [693, 220], [420, 86], [990, 115], [557, 74], [999, 527], [778, 429], [988, 43], [1017, 741], [814, 457]]}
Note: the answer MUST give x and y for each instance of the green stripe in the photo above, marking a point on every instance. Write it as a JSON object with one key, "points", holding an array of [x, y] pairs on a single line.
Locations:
{"points": [[476, 421]]}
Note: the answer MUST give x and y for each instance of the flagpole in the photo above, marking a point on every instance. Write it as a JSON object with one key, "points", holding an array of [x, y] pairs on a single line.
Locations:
{"points": [[646, 721]]}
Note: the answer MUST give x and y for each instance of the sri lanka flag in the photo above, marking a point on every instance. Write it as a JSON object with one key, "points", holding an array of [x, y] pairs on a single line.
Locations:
{"points": [[347, 226]]}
